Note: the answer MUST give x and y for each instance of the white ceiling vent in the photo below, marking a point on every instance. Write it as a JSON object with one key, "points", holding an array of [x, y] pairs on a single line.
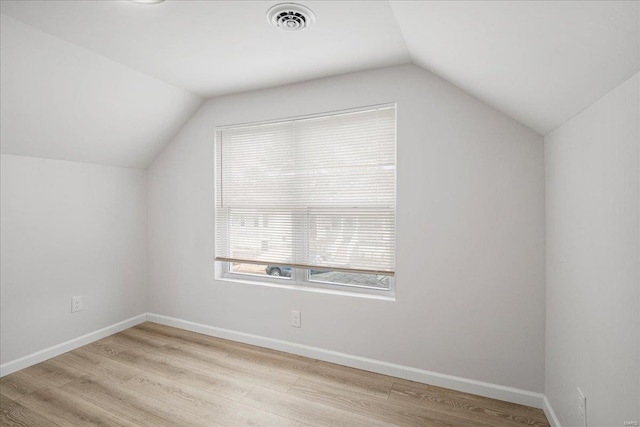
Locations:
{"points": [[290, 16]]}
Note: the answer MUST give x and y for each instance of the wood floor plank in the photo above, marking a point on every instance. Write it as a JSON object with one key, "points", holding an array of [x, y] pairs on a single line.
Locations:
{"points": [[247, 373], [173, 369], [350, 379], [133, 342], [98, 366], [130, 340], [80, 365], [19, 384], [488, 401], [349, 371], [307, 411], [504, 413], [15, 415], [321, 372], [284, 364], [210, 406], [65, 409], [55, 373], [384, 410], [212, 362], [138, 408], [275, 363], [179, 336], [146, 337]]}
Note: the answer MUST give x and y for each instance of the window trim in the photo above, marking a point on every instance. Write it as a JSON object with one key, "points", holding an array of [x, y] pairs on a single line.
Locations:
{"points": [[224, 274], [311, 116], [299, 279]]}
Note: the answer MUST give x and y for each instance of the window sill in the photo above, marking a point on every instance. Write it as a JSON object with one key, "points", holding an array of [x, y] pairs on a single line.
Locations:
{"points": [[389, 296]]}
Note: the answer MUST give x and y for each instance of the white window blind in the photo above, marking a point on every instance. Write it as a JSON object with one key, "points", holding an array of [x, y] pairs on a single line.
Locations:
{"points": [[314, 193]]}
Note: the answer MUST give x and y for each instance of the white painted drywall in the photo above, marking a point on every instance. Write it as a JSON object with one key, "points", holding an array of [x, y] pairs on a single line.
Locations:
{"points": [[67, 229], [592, 217], [470, 245], [62, 101]]}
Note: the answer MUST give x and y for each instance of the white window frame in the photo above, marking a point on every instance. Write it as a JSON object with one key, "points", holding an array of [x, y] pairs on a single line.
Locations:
{"points": [[300, 280], [300, 277]]}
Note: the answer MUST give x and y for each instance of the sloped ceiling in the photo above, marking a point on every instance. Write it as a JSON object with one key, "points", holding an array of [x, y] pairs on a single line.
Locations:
{"points": [[117, 79], [540, 62], [219, 47], [64, 102]]}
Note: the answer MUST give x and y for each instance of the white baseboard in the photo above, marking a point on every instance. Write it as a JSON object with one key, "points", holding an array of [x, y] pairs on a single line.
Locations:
{"points": [[48, 353], [466, 385], [551, 415]]}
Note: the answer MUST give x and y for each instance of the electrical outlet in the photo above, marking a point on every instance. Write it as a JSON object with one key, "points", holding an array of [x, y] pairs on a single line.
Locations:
{"points": [[582, 407], [295, 319], [76, 304]]}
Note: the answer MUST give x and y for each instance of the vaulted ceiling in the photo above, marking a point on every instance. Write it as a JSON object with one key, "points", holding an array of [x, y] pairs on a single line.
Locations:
{"points": [[112, 81], [540, 62]]}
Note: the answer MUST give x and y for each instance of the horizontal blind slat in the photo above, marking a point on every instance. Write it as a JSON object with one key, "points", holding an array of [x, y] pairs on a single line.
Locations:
{"points": [[316, 192]]}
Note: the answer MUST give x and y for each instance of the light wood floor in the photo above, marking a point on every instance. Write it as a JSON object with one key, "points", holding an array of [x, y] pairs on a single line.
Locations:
{"points": [[154, 375]]}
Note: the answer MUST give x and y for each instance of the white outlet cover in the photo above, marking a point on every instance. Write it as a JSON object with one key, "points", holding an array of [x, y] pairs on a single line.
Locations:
{"points": [[295, 319], [76, 304]]}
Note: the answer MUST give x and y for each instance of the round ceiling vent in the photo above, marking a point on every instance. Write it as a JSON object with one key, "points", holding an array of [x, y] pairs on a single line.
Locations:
{"points": [[290, 16]]}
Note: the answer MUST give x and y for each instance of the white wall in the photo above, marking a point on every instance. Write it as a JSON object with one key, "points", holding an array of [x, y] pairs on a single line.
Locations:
{"points": [[592, 217], [68, 229], [470, 245]]}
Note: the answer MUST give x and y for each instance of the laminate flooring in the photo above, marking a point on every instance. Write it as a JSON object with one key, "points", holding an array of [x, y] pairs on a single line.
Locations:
{"points": [[155, 375]]}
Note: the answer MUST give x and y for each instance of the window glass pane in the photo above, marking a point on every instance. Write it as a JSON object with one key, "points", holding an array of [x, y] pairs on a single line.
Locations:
{"points": [[351, 279], [260, 269]]}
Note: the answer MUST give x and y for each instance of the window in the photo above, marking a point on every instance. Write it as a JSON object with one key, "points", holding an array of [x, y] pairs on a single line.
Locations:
{"points": [[309, 201]]}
